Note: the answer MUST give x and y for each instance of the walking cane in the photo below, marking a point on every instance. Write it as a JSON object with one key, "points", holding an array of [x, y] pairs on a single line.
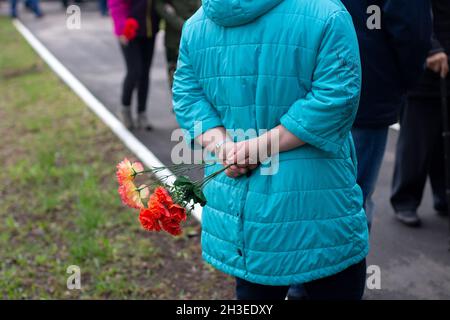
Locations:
{"points": [[446, 136]]}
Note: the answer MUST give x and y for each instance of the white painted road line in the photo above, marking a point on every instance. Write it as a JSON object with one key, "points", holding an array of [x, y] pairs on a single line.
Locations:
{"points": [[132, 143]]}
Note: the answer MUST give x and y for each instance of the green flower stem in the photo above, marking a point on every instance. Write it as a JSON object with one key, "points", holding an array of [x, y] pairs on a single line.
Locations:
{"points": [[203, 182], [176, 169], [140, 189], [179, 169]]}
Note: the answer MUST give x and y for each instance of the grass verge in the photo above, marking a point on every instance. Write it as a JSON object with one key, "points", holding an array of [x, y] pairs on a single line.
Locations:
{"points": [[59, 206]]}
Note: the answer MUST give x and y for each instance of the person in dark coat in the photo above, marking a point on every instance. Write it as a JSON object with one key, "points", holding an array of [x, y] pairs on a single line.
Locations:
{"points": [[420, 152], [394, 39], [175, 13], [393, 52]]}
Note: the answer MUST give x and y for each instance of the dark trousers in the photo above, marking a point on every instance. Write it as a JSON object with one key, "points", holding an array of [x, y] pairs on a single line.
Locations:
{"points": [[370, 145], [30, 4], [138, 54], [172, 58], [65, 3], [345, 285], [103, 7], [419, 154]]}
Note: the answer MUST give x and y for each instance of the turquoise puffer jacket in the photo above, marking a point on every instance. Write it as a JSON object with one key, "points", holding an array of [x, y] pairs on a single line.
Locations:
{"points": [[253, 64]]}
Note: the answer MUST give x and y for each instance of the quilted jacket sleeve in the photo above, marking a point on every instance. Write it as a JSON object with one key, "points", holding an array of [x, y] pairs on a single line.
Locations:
{"points": [[324, 117], [193, 111]]}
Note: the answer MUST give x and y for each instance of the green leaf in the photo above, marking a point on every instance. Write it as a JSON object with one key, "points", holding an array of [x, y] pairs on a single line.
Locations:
{"points": [[182, 181], [199, 196], [191, 190]]}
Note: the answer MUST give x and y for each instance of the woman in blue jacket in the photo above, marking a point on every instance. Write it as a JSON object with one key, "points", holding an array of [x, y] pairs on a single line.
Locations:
{"points": [[289, 70]]}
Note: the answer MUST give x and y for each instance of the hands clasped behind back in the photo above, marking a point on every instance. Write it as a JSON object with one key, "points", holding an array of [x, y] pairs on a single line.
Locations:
{"points": [[241, 157]]}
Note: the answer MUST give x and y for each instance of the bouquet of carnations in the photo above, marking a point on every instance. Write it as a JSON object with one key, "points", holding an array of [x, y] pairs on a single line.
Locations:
{"points": [[170, 204]]}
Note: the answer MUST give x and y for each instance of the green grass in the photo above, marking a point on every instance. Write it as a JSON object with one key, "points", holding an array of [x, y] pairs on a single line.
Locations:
{"points": [[59, 205]]}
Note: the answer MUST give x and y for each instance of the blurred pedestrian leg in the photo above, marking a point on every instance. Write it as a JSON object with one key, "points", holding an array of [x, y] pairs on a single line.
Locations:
{"points": [[419, 154], [138, 55], [13, 12], [65, 3], [35, 7], [32, 5], [103, 7], [420, 149], [370, 144]]}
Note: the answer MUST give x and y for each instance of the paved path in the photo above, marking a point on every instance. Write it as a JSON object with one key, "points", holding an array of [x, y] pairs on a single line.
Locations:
{"points": [[415, 263]]}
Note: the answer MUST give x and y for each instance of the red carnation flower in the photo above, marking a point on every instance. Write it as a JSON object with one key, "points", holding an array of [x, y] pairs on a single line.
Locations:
{"points": [[168, 205], [148, 220], [172, 227], [163, 196], [130, 28], [171, 224], [162, 213], [178, 213]]}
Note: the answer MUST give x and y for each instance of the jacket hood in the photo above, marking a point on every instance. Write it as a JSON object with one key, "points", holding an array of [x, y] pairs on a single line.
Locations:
{"points": [[230, 13]]}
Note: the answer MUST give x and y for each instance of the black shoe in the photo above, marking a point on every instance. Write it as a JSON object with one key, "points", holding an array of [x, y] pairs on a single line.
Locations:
{"points": [[409, 218]]}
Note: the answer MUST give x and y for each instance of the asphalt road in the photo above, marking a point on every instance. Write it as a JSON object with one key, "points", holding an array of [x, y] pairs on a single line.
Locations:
{"points": [[414, 263]]}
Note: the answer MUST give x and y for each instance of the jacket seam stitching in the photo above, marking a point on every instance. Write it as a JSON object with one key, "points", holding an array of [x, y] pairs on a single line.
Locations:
{"points": [[254, 75], [255, 44], [348, 215], [312, 133]]}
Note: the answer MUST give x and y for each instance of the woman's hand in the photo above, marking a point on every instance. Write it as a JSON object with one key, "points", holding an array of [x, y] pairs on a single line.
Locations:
{"points": [[220, 144], [227, 153], [245, 156], [248, 154], [252, 152]]}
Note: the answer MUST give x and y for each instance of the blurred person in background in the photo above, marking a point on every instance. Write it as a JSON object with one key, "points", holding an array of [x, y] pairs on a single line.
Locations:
{"points": [[420, 150], [65, 3], [32, 5], [392, 58], [136, 24], [174, 13], [103, 7]]}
